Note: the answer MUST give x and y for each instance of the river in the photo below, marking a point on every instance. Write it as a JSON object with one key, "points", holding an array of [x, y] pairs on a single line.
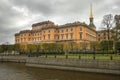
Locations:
{"points": [[18, 71]]}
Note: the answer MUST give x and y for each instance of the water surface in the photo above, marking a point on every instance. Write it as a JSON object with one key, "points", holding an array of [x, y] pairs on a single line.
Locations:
{"points": [[18, 71]]}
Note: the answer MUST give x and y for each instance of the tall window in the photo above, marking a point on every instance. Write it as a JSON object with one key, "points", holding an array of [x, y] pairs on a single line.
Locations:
{"points": [[71, 29], [44, 37], [62, 30], [54, 36], [66, 30], [80, 28], [71, 35], [66, 36], [58, 31], [99, 34], [62, 35], [48, 31], [80, 35], [58, 37], [48, 36]]}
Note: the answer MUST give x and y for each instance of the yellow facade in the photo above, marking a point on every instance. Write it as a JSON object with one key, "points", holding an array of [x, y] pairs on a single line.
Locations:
{"points": [[103, 35], [48, 32]]}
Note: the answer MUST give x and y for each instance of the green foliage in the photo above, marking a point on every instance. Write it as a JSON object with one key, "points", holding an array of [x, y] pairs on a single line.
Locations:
{"points": [[106, 45], [117, 45], [6, 48], [17, 47], [95, 45]]}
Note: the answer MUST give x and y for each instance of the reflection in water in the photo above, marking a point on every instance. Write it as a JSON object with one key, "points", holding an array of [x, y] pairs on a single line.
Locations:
{"points": [[18, 71]]}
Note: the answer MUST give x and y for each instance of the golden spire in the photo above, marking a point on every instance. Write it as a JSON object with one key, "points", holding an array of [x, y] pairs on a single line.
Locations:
{"points": [[91, 16]]}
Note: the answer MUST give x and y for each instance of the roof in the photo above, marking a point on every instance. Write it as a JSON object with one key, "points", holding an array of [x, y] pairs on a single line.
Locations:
{"points": [[41, 23], [91, 25]]}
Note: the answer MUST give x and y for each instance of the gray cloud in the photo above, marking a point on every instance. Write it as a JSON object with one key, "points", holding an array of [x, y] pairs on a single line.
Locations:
{"points": [[16, 15]]}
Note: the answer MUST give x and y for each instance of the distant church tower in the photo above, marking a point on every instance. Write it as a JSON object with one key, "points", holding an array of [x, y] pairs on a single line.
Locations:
{"points": [[91, 24]]}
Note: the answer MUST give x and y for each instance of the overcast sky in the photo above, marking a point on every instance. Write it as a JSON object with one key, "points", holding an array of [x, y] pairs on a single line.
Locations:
{"points": [[16, 15]]}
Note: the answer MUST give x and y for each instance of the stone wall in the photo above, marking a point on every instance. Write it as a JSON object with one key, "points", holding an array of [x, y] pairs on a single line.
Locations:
{"points": [[77, 63], [21, 59], [111, 67]]}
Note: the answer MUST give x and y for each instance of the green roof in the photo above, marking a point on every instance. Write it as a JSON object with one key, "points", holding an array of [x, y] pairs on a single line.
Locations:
{"points": [[91, 25]]}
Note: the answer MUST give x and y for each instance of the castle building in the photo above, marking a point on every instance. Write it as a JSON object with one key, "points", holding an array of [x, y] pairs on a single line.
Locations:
{"points": [[102, 35], [48, 32]]}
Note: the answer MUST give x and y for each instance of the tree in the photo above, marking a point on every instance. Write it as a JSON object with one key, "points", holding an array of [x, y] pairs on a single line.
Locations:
{"points": [[66, 47], [116, 29], [108, 22], [94, 45], [17, 47]]}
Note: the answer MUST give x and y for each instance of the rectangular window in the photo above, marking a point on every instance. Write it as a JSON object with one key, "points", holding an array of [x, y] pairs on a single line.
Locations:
{"points": [[66, 30], [98, 34], [54, 36], [58, 31], [80, 28], [71, 29], [58, 37], [104, 33], [54, 31], [66, 36], [44, 37], [62, 35], [71, 35], [80, 36], [62, 30], [48, 36], [48, 31], [104, 37]]}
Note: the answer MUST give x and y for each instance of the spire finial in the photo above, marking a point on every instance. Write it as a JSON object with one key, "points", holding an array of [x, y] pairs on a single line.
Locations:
{"points": [[91, 16]]}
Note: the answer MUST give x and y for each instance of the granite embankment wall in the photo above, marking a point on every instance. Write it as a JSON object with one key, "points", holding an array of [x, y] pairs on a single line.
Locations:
{"points": [[21, 59], [99, 66]]}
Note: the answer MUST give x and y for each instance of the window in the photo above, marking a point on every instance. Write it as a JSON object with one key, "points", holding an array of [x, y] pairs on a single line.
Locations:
{"points": [[104, 33], [104, 37], [66, 36], [80, 28], [80, 36], [48, 36], [71, 29], [48, 31], [44, 37], [62, 35], [71, 35], [62, 30], [66, 30], [54, 36], [58, 37]]}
